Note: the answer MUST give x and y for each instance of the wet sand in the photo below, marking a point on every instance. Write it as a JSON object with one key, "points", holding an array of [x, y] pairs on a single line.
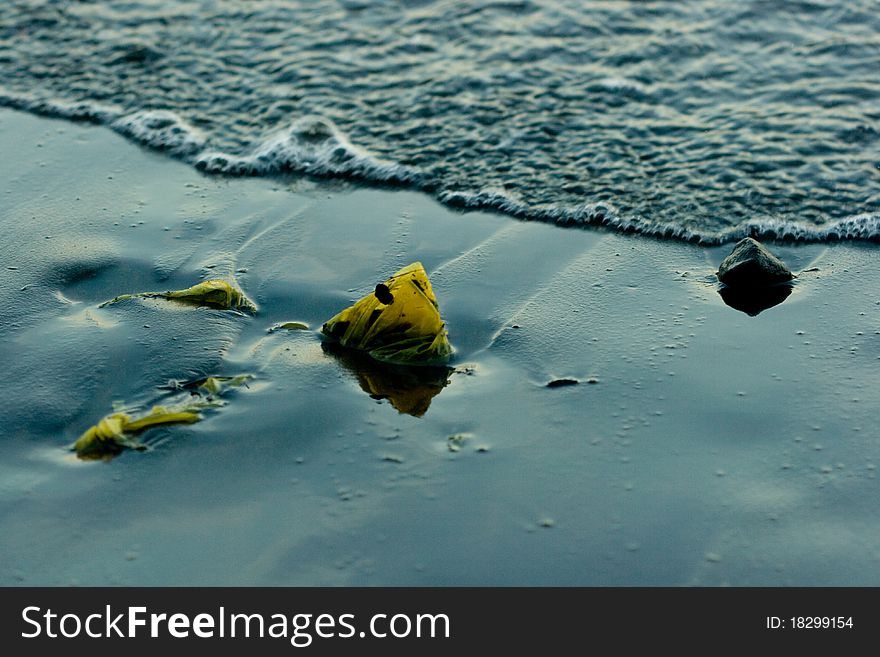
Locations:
{"points": [[698, 446]]}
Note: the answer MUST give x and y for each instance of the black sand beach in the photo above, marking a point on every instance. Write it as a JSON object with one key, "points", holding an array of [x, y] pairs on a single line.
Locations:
{"points": [[697, 445]]}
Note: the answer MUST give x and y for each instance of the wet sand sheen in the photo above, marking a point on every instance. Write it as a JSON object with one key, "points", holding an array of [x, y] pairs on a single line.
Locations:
{"points": [[699, 445]]}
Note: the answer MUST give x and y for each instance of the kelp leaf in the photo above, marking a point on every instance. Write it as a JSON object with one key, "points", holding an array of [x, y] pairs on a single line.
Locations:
{"points": [[289, 326], [215, 293], [397, 323], [160, 415], [114, 432], [216, 385], [212, 385], [117, 431]]}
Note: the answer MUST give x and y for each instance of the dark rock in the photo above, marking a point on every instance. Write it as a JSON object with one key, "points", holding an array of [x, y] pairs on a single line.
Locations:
{"points": [[750, 264]]}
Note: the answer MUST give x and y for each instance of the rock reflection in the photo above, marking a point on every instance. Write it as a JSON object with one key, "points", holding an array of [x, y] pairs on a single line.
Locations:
{"points": [[754, 300]]}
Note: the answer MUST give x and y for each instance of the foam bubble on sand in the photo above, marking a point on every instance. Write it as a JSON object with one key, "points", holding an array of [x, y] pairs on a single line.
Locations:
{"points": [[314, 146]]}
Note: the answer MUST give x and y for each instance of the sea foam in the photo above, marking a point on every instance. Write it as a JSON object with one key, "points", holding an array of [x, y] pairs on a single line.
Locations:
{"points": [[864, 227], [313, 145], [162, 130]]}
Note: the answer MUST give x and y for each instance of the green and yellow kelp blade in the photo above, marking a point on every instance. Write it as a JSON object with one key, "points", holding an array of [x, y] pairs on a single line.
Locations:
{"points": [[398, 323], [210, 385], [215, 293], [289, 326], [216, 385], [116, 431], [160, 415]]}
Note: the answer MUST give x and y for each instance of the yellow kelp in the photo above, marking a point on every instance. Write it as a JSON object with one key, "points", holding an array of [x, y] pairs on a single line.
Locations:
{"points": [[215, 293], [210, 384], [216, 385], [118, 431], [398, 323], [289, 326]]}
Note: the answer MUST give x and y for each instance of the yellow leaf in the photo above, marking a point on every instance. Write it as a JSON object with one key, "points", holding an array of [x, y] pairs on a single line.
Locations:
{"points": [[289, 326], [215, 293], [161, 415], [398, 323], [117, 431]]}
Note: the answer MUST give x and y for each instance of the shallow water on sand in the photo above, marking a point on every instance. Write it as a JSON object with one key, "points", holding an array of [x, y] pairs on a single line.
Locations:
{"points": [[699, 446]]}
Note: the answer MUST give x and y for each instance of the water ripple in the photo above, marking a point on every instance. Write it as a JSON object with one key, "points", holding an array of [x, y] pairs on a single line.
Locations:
{"points": [[703, 120]]}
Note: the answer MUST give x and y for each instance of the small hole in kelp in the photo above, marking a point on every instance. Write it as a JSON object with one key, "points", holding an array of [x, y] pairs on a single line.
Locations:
{"points": [[754, 300], [408, 388], [383, 294]]}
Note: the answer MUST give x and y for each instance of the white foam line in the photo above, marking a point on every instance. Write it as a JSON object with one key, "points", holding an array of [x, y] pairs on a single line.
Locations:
{"points": [[313, 145], [864, 226]]}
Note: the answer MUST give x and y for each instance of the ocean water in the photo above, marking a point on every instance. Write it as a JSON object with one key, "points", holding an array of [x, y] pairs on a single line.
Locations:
{"points": [[705, 120]]}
